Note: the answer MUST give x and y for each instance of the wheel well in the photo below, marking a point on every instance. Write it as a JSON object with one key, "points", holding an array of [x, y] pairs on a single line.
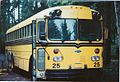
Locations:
{"points": [[30, 62], [30, 66]]}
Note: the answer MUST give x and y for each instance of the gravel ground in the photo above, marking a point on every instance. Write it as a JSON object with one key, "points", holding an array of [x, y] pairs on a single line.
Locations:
{"points": [[12, 76], [99, 77]]}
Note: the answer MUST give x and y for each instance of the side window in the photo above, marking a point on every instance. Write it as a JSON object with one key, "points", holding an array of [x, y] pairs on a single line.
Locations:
{"points": [[15, 35], [9, 36], [26, 29], [29, 30], [22, 32], [12, 36], [18, 33], [6, 37]]}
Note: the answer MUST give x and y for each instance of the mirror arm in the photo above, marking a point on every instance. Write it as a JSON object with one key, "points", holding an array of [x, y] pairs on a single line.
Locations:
{"points": [[44, 43]]}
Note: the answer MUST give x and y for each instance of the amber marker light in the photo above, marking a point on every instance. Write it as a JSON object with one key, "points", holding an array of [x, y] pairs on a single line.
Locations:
{"points": [[56, 51], [97, 51]]}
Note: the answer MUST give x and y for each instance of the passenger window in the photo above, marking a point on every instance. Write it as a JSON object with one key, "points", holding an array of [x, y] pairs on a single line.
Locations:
{"points": [[18, 33], [26, 30], [22, 32], [15, 34], [30, 28], [11, 34], [9, 37], [6, 37]]}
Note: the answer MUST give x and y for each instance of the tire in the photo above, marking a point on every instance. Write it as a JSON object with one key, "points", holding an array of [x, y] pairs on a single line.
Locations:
{"points": [[30, 68], [10, 62]]}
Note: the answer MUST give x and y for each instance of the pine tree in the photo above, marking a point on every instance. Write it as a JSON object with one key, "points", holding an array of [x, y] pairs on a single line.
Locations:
{"points": [[53, 30]]}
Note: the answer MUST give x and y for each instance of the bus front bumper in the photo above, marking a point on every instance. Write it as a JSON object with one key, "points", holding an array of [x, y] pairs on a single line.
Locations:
{"points": [[68, 74]]}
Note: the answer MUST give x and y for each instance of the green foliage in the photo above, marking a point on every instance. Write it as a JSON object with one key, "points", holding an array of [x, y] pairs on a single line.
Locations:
{"points": [[52, 3], [26, 10], [15, 11]]}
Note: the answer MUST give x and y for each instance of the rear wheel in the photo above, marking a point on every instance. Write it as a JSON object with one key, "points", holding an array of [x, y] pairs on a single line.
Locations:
{"points": [[10, 59], [30, 68], [12, 63]]}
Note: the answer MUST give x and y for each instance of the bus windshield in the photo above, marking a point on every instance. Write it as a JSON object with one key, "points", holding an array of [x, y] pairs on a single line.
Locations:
{"points": [[73, 29], [89, 30], [62, 29]]}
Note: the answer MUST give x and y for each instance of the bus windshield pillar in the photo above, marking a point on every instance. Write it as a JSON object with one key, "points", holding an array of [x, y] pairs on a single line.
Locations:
{"points": [[34, 47]]}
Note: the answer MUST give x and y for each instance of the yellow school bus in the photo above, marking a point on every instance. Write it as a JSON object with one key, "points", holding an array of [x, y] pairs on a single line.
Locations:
{"points": [[58, 42]]}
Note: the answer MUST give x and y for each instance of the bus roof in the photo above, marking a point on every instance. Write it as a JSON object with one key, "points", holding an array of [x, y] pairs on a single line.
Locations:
{"points": [[71, 11]]}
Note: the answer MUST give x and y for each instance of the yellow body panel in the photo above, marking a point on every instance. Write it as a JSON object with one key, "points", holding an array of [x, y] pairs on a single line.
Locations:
{"points": [[71, 58], [77, 12], [21, 54]]}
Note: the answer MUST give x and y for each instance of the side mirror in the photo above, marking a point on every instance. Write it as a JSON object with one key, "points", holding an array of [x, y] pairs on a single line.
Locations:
{"points": [[42, 36], [96, 15], [41, 31]]}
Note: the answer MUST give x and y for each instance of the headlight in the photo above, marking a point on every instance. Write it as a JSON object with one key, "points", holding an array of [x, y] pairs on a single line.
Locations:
{"points": [[57, 58], [95, 58]]}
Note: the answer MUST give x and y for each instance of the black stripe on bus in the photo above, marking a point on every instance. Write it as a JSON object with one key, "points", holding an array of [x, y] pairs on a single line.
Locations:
{"points": [[70, 44], [19, 41], [29, 41]]}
